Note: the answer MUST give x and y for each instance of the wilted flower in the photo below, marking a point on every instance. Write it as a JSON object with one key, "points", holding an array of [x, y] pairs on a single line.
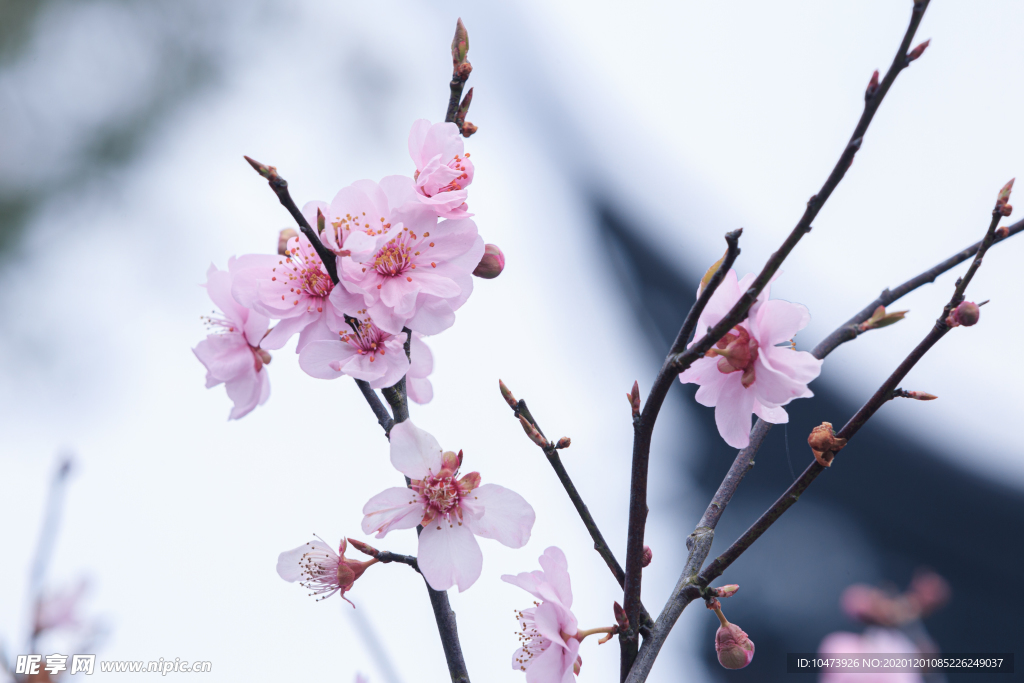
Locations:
{"points": [[324, 572]]}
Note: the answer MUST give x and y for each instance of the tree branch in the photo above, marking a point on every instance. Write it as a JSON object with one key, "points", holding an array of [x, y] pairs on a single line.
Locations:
{"points": [[280, 187], [382, 414], [600, 545], [679, 361]]}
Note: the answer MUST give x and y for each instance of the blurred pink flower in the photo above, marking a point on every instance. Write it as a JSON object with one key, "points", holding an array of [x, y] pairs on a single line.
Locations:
{"points": [[752, 370], [927, 592], [452, 510], [872, 641], [232, 356], [548, 653], [293, 288], [59, 610], [324, 572], [442, 169], [367, 353]]}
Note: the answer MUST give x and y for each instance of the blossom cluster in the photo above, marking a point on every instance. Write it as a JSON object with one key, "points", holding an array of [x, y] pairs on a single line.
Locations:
{"points": [[405, 250]]}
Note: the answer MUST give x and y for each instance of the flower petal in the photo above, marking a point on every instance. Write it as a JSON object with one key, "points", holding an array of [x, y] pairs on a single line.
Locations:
{"points": [[449, 555], [501, 514], [393, 508], [414, 452], [733, 411]]}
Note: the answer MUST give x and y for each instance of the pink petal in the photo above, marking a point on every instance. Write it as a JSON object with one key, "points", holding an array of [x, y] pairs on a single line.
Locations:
{"points": [[414, 452], [284, 330], [246, 392], [393, 508], [432, 317], [732, 413], [225, 356], [398, 189], [449, 555], [288, 562], [556, 572], [420, 390], [554, 665], [779, 321], [782, 374], [500, 514], [775, 415], [322, 359]]}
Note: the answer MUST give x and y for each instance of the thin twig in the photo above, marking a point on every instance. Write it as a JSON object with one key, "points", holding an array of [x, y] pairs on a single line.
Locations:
{"points": [[382, 414], [676, 363], [280, 187], [600, 545]]}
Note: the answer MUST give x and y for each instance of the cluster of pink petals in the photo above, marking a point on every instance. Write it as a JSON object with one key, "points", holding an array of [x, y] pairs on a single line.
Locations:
{"points": [[363, 351], [233, 356], [927, 593], [754, 369], [317, 567], [453, 510], [443, 169], [293, 288], [874, 641], [548, 651]]}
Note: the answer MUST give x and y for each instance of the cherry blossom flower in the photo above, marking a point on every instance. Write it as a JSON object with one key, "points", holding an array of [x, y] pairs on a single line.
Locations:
{"points": [[293, 288], [366, 352], [324, 572], [549, 650], [418, 276], [754, 369], [443, 170], [233, 356], [59, 610], [452, 510]]}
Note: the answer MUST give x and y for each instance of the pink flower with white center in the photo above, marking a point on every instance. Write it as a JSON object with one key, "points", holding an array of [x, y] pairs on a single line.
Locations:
{"points": [[754, 369], [365, 352], [420, 274], [452, 510], [421, 364], [294, 288], [324, 572], [549, 646], [443, 169], [233, 356]]}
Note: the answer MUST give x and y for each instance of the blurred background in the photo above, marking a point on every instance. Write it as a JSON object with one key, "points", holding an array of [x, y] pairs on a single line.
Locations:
{"points": [[616, 147]]}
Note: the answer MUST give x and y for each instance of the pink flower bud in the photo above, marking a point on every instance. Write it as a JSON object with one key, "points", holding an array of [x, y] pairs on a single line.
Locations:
{"points": [[726, 591], [507, 395], [735, 649], [492, 263], [282, 240], [1002, 232], [364, 548], [872, 85], [648, 555], [620, 616], [532, 432], [564, 442], [966, 314], [918, 51]]}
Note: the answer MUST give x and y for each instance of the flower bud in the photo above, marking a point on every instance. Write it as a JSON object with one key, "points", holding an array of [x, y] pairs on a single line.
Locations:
{"points": [[1006, 209], [531, 431], [1002, 232], [460, 43], [726, 591], [468, 129], [918, 51], [872, 86], [620, 617], [506, 394], [648, 555], [491, 264], [824, 443], [880, 318], [564, 442], [966, 314], [634, 399], [282, 240], [735, 650], [364, 548]]}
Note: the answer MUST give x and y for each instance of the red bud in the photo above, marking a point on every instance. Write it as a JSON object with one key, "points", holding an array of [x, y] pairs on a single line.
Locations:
{"points": [[492, 263]]}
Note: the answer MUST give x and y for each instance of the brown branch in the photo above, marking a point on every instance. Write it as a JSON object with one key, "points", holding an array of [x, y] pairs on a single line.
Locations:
{"points": [[600, 545], [280, 187], [381, 413], [677, 362], [461, 68]]}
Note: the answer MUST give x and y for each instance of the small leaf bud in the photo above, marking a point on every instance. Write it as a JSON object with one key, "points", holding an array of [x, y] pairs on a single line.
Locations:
{"points": [[564, 442], [872, 86], [468, 129], [364, 548], [918, 51], [506, 394], [532, 432]]}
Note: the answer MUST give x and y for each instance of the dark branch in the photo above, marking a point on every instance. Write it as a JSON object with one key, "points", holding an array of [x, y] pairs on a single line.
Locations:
{"points": [[600, 545], [381, 413], [280, 187], [387, 557], [682, 359]]}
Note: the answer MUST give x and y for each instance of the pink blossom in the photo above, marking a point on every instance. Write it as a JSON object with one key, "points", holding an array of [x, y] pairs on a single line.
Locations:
{"points": [[872, 641], [59, 610], [452, 510], [293, 288], [754, 369], [419, 274], [324, 572], [443, 170], [367, 353], [421, 364], [549, 652], [232, 356]]}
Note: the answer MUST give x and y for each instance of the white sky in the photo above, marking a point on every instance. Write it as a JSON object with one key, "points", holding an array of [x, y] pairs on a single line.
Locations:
{"points": [[706, 116]]}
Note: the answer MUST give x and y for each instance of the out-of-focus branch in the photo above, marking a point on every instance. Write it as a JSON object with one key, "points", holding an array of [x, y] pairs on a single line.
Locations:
{"points": [[550, 449], [280, 187]]}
